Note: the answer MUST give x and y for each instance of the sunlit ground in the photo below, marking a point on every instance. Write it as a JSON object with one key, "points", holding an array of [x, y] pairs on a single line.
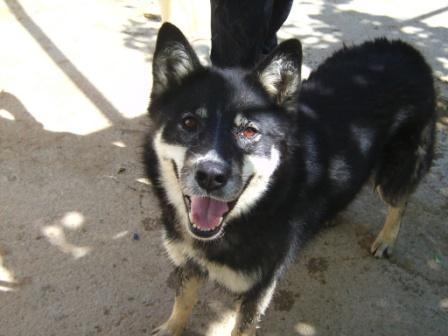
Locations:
{"points": [[72, 84], [7, 280], [55, 234], [305, 329]]}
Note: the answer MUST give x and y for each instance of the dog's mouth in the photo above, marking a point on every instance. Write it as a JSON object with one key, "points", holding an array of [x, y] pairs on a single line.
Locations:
{"points": [[206, 215]]}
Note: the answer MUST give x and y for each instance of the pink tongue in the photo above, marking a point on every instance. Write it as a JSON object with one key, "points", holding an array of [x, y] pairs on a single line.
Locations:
{"points": [[206, 212]]}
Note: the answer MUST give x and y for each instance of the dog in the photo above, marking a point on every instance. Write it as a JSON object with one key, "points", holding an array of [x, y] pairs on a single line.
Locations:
{"points": [[249, 165]]}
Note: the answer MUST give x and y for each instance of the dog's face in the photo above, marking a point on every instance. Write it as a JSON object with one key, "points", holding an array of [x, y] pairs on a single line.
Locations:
{"points": [[218, 133]]}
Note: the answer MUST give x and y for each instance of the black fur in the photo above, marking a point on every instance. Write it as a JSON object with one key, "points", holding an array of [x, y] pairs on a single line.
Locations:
{"points": [[368, 110]]}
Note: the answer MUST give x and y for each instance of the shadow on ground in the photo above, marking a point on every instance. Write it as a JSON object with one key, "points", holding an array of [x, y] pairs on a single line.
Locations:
{"points": [[336, 23]]}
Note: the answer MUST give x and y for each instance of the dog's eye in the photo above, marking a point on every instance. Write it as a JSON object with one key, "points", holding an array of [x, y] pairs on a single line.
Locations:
{"points": [[249, 132], [190, 123]]}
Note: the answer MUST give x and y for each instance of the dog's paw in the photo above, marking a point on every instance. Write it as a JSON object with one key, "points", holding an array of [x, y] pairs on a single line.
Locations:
{"points": [[382, 246], [167, 329]]}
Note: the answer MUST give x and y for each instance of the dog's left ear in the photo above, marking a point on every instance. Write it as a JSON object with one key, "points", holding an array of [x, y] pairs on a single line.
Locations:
{"points": [[280, 73], [174, 59]]}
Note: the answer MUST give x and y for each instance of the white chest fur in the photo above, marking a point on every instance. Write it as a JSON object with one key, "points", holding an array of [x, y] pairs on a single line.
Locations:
{"points": [[231, 279]]}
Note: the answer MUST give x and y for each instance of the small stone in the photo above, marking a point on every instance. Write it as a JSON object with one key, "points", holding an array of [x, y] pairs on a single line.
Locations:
{"points": [[444, 191]]}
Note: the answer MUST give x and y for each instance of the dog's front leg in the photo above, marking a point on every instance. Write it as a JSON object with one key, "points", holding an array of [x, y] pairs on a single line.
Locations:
{"points": [[253, 304], [190, 279]]}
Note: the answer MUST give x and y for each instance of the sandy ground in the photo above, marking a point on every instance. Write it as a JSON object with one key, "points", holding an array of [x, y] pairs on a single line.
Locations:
{"points": [[80, 250]]}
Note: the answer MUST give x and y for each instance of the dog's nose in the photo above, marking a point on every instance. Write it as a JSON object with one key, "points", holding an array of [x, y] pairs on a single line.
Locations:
{"points": [[212, 175]]}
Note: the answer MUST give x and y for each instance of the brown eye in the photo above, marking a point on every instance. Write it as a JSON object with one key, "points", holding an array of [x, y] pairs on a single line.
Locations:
{"points": [[249, 132], [190, 123]]}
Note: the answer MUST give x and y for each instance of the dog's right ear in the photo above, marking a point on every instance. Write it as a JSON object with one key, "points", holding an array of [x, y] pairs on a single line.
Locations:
{"points": [[174, 59]]}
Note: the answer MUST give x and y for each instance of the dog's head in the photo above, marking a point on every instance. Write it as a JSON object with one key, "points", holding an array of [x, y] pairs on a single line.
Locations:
{"points": [[219, 133]]}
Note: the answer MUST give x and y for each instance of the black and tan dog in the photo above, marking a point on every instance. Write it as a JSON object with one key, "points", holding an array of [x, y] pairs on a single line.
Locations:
{"points": [[249, 165]]}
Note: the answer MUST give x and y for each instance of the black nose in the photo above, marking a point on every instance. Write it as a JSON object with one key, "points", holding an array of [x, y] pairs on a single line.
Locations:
{"points": [[212, 175]]}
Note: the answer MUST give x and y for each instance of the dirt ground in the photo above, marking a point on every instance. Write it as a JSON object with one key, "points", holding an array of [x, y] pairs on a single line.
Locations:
{"points": [[80, 249]]}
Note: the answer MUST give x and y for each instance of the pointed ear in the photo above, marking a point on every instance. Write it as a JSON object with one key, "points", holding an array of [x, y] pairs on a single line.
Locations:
{"points": [[174, 59], [280, 73]]}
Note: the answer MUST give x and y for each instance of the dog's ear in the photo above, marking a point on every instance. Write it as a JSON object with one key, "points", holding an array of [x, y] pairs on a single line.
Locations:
{"points": [[174, 59], [280, 73]]}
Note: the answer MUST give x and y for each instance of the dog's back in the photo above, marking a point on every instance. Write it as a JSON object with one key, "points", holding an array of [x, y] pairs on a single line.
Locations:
{"points": [[372, 83], [368, 110]]}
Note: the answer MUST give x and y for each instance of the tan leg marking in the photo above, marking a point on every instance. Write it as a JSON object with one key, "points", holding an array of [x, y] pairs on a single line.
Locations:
{"points": [[185, 300], [385, 240]]}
